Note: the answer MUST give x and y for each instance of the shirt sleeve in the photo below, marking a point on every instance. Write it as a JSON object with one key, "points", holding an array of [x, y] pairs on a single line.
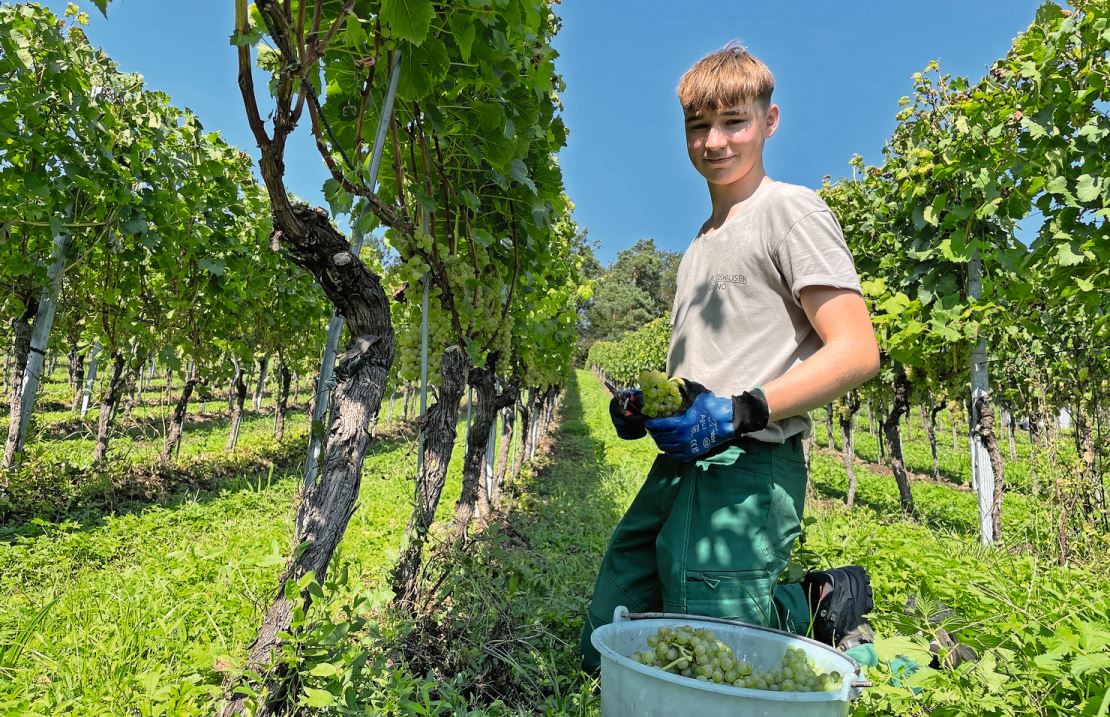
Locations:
{"points": [[813, 253]]}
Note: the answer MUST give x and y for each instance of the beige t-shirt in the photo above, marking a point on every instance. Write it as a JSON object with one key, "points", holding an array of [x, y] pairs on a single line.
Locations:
{"points": [[737, 317]]}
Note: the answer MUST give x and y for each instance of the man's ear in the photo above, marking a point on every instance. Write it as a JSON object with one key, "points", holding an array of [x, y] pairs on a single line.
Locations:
{"points": [[771, 120]]}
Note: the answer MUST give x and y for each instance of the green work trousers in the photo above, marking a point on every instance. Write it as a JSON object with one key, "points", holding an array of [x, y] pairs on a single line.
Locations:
{"points": [[709, 537]]}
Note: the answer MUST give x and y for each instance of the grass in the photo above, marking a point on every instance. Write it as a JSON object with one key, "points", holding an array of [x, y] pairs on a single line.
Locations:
{"points": [[136, 614], [155, 598], [60, 434], [1010, 606]]}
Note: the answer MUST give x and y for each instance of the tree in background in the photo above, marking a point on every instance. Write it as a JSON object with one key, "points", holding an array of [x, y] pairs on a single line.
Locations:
{"points": [[636, 288]]}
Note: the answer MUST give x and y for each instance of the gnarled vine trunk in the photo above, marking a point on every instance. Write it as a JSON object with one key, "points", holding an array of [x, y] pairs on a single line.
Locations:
{"points": [[360, 375], [483, 381], [1085, 419], [1011, 428], [73, 359], [539, 420], [830, 432], [508, 416], [851, 405], [21, 347], [109, 407], [284, 377], [78, 371], [239, 397], [931, 430], [525, 429], [552, 404], [313, 396], [984, 407], [881, 435], [439, 440], [891, 427], [260, 385], [177, 422], [136, 381], [489, 403]]}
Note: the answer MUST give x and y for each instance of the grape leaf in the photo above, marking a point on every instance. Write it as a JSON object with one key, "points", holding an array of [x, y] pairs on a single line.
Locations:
{"points": [[1066, 256], [408, 19], [1088, 188]]}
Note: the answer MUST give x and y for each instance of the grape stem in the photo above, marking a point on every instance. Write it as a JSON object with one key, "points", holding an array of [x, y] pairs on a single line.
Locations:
{"points": [[682, 655]]}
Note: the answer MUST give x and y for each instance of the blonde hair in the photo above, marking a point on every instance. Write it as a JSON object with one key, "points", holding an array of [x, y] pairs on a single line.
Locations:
{"points": [[728, 77]]}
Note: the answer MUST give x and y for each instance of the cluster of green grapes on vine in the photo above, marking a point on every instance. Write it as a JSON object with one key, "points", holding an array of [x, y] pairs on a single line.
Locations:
{"points": [[475, 301]]}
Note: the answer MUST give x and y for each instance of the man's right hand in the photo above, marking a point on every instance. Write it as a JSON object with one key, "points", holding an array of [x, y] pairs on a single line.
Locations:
{"points": [[625, 410]]}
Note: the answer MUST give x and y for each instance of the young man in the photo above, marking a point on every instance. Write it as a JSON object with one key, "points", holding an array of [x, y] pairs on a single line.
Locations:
{"points": [[768, 322]]}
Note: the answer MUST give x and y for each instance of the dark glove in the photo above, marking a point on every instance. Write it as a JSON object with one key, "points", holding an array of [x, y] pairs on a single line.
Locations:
{"points": [[624, 409], [709, 421]]}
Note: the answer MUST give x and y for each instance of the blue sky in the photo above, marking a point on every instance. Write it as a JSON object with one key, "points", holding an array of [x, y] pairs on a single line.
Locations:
{"points": [[840, 68]]}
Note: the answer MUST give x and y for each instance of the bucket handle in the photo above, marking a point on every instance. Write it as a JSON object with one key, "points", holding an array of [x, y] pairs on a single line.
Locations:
{"points": [[621, 614]]}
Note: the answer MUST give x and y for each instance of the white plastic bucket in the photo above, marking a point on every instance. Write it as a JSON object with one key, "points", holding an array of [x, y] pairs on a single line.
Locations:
{"points": [[629, 689]]}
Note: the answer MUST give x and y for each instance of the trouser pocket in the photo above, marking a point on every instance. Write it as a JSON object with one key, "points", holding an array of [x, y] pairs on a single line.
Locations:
{"points": [[743, 595]]}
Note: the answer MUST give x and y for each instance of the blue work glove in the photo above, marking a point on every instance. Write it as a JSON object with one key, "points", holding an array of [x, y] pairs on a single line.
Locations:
{"points": [[624, 409], [709, 421]]}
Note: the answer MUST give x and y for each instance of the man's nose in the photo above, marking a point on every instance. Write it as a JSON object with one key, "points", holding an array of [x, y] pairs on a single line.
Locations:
{"points": [[715, 137]]}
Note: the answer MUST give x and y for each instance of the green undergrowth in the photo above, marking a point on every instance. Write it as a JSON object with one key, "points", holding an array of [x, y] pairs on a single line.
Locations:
{"points": [[1025, 522], [141, 438], [1042, 633], [55, 483], [143, 613], [1029, 521], [54, 419], [57, 433], [500, 636], [954, 459]]}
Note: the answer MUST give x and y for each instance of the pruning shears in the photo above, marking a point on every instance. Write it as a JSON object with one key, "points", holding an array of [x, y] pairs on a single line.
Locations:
{"points": [[631, 402]]}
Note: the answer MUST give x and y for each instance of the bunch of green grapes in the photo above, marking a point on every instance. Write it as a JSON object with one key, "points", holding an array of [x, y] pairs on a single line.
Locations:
{"points": [[661, 394], [697, 653]]}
